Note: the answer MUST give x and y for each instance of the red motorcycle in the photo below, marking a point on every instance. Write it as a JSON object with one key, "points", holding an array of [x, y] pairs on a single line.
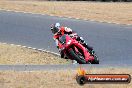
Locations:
{"points": [[74, 50]]}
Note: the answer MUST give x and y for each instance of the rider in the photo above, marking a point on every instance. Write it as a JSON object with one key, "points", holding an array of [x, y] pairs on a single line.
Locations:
{"points": [[59, 30]]}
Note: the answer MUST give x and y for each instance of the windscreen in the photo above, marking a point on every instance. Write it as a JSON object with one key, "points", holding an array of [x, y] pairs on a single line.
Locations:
{"points": [[62, 39]]}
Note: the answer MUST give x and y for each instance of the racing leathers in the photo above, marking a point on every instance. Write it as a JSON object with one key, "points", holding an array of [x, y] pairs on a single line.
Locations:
{"points": [[66, 30]]}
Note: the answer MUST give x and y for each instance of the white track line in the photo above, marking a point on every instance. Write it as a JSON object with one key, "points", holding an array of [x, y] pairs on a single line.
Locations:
{"points": [[64, 17], [24, 46], [18, 45], [33, 48]]}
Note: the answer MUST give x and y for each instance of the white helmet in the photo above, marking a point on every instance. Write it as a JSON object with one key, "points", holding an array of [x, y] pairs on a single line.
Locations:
{"points": [[55, 27]]}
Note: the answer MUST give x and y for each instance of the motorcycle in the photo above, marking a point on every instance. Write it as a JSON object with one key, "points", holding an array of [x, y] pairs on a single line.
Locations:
{"points": [[74, 50]]}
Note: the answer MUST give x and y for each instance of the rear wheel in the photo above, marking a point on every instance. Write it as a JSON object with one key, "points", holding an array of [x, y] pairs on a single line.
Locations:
{"points": [[76, 57], [96, 60]]}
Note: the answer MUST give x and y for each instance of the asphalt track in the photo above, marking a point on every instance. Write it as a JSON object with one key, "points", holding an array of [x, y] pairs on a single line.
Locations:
{"points": [[55, 67], [112, 42]]}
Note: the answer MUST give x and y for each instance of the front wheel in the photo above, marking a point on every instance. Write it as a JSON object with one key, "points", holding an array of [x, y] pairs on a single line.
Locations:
{"points": [[76, 57]]}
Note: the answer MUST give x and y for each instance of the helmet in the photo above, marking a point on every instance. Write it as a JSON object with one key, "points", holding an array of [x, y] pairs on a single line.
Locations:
{"points": [[55, 28]]}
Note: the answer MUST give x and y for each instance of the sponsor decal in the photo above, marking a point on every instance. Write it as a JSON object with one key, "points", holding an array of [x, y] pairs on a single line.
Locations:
{"points": [[84, 78]]}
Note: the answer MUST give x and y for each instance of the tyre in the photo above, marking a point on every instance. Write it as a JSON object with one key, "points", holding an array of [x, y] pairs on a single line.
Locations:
{"points": [[96, 60], [76, 57]]}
